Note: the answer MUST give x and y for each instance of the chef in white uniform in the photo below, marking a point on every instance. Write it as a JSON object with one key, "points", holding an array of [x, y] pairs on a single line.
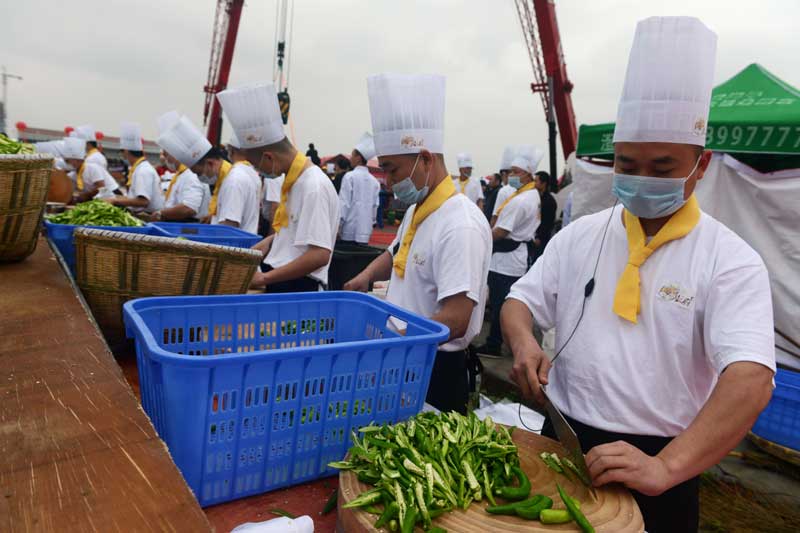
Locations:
{"points": [[56, 149], [465, 183], [438, 263], [663, 315], [306, 222], [93, 154], [90, 178], [186, 198], [509, 187], [359, 195], [144, 184], [238, 199], [512, 234]]}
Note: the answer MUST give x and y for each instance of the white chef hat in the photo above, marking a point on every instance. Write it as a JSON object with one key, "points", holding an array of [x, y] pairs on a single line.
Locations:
{"points": [[184, 142], [47, 147], [130, 136], [667, 90], [464, 160], [527, 158], [85, 132], [74, 148], [254, 114], [407, 113], [167, 120], [508, 156], [366, 146]]}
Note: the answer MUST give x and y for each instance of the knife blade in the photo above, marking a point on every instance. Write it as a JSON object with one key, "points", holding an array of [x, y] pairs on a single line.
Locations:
{"points": [[566, 435]]}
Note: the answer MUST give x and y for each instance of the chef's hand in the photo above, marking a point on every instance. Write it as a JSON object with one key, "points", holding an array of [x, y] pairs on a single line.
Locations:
{"points": [[359, 283], [111, 200], [259, 281], [620, 462], [531, 366]]}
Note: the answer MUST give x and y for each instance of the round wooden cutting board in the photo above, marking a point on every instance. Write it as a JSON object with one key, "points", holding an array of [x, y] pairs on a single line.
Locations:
{"points": [[615, 510]]}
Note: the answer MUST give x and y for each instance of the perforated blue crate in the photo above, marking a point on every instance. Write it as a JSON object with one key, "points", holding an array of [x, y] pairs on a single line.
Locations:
{"points": [[210, 233], [61, 235], [256, 392], [780, 421]]}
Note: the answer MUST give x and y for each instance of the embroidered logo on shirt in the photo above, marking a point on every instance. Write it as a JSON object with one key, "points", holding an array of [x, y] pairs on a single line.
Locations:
{"points": [[418, 260], [672, 292]]}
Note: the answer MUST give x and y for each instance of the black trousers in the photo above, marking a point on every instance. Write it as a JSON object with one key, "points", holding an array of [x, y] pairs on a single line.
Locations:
{"points": [[499, 287], [675, 511], [452, 380], [304, 284]]}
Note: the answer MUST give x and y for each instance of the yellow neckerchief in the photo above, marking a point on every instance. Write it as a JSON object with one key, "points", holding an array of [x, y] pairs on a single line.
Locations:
{"points": [[174, 180], [91, 151], [462, 183], [524, 188], [79, 178], [440, 194], [132, 170], [281, 219], [626, 298], [224, 168]]}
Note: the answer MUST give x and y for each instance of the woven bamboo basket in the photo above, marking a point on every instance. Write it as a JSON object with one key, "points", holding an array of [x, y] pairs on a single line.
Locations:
{"points": [[113, 267], [24, 182]]}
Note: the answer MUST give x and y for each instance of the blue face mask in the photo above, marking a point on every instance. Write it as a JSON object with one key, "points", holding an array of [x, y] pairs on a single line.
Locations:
{"points": [[649, 197], [406, 192], [515, 182]]}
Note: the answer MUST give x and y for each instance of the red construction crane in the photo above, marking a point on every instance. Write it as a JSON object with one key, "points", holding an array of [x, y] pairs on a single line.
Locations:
{"points": [[226, 26], [540, 30]]}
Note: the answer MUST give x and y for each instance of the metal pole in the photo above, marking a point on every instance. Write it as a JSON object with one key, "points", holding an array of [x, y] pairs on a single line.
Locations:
{"points": [[551, 127]]}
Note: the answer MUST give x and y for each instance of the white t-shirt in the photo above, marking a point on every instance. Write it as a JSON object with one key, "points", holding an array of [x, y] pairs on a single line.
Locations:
{"points": [[147, 183], [705, 303], [358, 204], [313, 221], [93, 173], [520, 218], [238, 199], [503, 194], [449, 255], [472, 188], [97, 158], [272, 192], [188, 191]]}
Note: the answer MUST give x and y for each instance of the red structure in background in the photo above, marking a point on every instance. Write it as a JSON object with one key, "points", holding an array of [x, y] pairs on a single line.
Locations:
{"points": [[226, 26], [543, 41]]}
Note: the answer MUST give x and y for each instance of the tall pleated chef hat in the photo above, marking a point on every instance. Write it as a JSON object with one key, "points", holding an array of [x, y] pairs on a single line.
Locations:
{"points": [[74, 148], [167, 120], [366, 146], [464, 160], [130, 136], [508, 156], [254, 114], [407, 113], [48, 147], [184, 142], [85, 132], [234, 141], [527, 158], [667, 90]]}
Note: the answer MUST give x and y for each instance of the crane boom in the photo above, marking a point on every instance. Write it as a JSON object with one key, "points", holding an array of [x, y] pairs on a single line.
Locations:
{"points": [[223, 42], [543, 41]]}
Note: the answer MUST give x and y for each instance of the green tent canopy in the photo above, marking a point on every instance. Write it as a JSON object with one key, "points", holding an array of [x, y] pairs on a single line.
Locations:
{"points": [[755, 116]]}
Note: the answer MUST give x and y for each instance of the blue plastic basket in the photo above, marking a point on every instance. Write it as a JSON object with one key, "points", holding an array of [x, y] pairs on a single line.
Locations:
{"points": [[780, 421], [256, 392], [210, 233], [61, 236]]}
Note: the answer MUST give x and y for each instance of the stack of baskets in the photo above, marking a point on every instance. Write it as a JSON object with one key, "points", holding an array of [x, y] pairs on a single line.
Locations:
{"points": [[24, 182], [113, 267]]}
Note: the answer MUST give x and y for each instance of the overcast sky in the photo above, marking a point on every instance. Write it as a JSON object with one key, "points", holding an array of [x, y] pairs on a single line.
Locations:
{"points": [[114, 60]]}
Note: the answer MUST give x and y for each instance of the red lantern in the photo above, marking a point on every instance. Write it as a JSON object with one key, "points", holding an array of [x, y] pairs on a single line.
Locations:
{"points": [[99, 135], [21, 126], [68, 130]]}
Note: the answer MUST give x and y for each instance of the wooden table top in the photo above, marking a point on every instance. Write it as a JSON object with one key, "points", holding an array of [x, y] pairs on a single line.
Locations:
{"points": [[77, 453]]}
